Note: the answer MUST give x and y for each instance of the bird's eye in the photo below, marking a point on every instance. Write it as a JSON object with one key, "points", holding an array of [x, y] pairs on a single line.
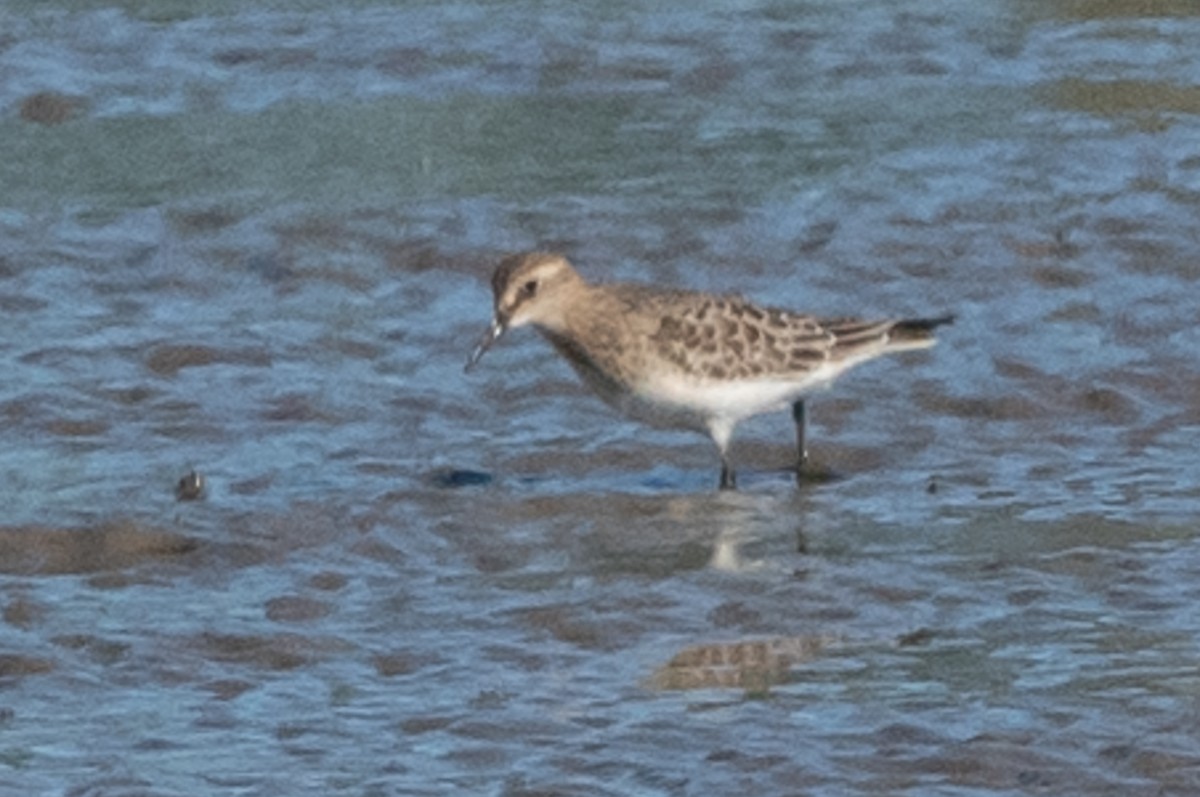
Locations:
{"points": [[529, 289]]}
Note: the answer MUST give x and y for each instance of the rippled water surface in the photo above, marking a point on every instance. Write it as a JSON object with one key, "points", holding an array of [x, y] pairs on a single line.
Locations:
{"points": [[253, 240]]}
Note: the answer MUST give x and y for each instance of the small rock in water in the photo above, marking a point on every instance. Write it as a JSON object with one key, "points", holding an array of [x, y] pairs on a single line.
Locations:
{"points": [[190, 487]]}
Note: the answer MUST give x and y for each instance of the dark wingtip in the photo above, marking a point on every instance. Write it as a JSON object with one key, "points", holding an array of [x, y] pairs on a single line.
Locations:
{"points": [[918, 328], [923, 324]]}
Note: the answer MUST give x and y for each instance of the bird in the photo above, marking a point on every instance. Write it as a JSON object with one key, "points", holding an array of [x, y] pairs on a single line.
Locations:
{"points": [[688, 359]]}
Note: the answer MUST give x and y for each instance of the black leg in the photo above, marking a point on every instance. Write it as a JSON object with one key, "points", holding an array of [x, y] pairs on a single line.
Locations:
{"points": [[728, 477], [801, 449]]}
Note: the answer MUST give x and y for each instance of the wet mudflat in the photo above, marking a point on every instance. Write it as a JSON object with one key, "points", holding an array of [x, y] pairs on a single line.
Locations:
{"points": [[255, 242]]}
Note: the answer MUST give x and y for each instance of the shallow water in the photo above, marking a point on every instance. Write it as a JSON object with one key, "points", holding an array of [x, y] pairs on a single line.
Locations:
{"points": [[255, 241]]}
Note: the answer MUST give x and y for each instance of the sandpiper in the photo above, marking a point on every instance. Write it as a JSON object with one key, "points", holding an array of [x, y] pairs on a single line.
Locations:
{"points": [[686, 359]]}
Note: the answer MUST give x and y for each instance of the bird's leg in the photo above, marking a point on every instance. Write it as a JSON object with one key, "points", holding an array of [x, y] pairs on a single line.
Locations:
{"points": [[801, 449], [728, 477], [721, 430]]}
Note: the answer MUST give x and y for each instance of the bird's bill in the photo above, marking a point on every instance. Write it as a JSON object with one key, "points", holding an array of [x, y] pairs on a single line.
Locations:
{"points": [[493, 334]]}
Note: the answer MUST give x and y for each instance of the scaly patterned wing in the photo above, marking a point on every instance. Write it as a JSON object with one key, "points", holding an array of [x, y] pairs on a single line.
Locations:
{"points": [[724, 338]]}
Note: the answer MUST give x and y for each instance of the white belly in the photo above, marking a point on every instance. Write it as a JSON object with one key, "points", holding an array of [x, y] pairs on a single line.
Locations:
{"points": [[675, 402]]}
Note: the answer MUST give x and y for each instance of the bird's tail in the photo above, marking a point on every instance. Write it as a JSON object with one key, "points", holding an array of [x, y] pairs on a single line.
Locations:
{"points": [[915, 333]]}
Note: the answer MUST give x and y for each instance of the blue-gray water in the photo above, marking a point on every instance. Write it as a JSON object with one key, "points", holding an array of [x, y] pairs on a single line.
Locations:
{"points": [[254, 239]]}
